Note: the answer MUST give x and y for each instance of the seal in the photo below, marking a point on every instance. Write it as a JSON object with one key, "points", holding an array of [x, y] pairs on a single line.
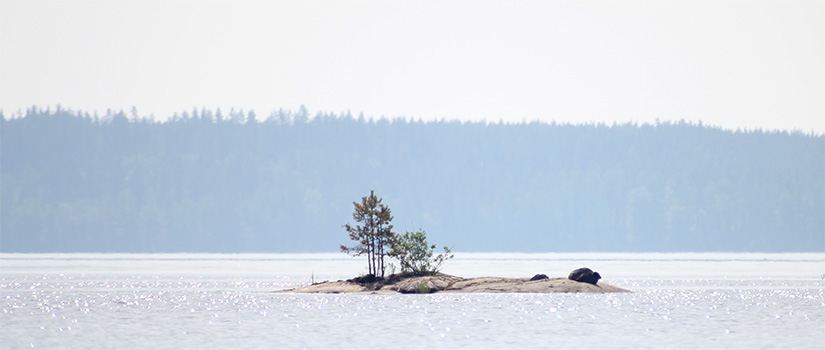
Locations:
{"points": [[584, 275], [539, 277]]}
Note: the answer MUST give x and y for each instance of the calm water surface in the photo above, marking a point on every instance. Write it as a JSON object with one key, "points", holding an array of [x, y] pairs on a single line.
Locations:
{"points": [[209, 301]]}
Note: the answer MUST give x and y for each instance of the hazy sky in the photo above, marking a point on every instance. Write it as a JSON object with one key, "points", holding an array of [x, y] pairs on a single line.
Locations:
{"points": [[727, 63]]}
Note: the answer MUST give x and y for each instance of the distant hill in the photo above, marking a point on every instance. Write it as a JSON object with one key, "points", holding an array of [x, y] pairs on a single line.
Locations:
{"points": [[207, 182]]}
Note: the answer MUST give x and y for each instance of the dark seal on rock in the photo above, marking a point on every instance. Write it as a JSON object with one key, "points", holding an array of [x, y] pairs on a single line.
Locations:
{"points": [[540, 276], [584, 275]]}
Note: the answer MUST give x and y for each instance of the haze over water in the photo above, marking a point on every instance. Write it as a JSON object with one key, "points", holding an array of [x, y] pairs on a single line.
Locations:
{"points": [[664, 126]]}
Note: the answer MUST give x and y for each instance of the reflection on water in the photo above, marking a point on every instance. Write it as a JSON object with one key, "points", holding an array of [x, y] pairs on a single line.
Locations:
{"points": [[196, 301]]}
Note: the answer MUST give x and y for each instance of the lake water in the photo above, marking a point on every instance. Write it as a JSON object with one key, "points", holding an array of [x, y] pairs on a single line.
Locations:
{"points": [[212, 301]]}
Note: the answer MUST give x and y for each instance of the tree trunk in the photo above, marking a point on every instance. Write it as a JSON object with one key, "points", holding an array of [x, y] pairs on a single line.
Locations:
{"points": [[381, 256]]}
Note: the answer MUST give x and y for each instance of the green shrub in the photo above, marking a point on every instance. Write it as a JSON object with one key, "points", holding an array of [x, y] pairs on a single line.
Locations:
{"points": [[416, 255], [423, 288]]}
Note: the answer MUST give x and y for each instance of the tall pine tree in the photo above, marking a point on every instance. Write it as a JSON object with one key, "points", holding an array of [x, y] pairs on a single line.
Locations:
{"points": [[373, 236]]}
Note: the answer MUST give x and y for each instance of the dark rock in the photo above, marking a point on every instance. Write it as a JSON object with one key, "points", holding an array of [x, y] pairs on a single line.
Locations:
{"points": [[540, 276], [584, 275], [362, 280]]}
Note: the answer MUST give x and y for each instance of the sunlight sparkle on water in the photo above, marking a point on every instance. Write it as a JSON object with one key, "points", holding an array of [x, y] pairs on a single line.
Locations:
{"points": [[186, 308]]}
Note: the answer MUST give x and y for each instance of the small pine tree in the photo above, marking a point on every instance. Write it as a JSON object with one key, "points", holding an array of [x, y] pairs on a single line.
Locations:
{"points": [[374, 236]]}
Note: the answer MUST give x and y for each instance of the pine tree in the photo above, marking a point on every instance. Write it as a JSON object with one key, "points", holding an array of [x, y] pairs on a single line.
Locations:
{"points": [[374, 236]]}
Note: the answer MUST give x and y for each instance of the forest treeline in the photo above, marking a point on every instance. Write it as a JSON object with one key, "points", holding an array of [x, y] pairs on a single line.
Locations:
{"points": [[208, 182]]}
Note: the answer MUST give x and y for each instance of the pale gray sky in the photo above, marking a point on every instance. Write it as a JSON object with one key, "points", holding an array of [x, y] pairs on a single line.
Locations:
{"points": [[728, 63]]}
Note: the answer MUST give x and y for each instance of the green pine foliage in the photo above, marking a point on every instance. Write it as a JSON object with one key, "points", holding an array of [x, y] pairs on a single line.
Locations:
{"points": [[374, 236]]}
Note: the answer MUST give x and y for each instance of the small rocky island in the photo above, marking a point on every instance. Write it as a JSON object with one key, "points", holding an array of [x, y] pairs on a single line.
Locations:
{"points": [[420, 265], [580, 281]]}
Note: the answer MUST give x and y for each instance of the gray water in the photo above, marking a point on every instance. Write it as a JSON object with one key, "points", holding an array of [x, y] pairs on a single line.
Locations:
{"points": [[209, 301]]}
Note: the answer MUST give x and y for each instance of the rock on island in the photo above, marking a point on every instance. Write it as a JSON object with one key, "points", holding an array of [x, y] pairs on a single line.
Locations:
{"points": [[443, 283]]}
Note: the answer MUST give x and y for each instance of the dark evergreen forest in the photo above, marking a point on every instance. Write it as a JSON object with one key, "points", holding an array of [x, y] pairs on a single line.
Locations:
{"points": [[208, 182]]}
